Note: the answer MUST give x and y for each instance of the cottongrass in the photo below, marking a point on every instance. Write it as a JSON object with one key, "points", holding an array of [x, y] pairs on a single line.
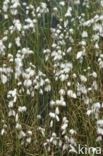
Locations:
{"points": [[51, 69]]}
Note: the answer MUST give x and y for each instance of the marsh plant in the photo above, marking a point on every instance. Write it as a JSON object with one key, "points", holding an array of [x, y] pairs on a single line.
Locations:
{"points": [[51, 77]]}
